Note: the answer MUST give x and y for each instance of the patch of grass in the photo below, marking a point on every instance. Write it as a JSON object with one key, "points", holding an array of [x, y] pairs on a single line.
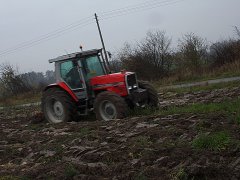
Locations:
{"points": [[142, 112], [35, 127], [141, 176], [10, 152], [52, 159], [143, 141], [203, 124], [238, 119], [140, 147], [135, 155], [25, 98], [217, 141], [70, 171], [194, 108], [226, 107], [56, 147], [225, 71], [205, 87], [84, 131], [109, 160], [180, 174], [13, 178], [81, 133]]}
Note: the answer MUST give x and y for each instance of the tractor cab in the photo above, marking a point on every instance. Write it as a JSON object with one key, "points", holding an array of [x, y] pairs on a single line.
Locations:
{"points": [[77, 69], [83, 82]]}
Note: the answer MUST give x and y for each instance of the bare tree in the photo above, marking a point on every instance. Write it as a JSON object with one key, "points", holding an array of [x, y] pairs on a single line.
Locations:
{"points": [[115, 65], [225, 52], [193, 51], [150, 58], [237, 31], [11, 81], [1, 90], [50, 77], [156, 49]]}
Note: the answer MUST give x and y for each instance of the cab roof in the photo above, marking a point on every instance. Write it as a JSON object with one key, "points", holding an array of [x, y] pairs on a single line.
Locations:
{"points": [[77, 54]]}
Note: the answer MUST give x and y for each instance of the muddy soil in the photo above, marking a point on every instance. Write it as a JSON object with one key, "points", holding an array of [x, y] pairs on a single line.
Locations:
{"points": [[153, 147], [210, 96]]}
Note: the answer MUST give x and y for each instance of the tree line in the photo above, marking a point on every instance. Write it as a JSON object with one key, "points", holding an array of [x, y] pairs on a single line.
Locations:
{"points": [[154, 57], [13, 83]]}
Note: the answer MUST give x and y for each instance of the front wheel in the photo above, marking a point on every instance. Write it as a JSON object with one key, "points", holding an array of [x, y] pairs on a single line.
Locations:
{"points": [[109, 105], [152, 94]]}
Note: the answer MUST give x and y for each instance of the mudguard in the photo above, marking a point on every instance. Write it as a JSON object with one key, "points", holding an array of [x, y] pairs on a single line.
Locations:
{"points": [[64, 87]]}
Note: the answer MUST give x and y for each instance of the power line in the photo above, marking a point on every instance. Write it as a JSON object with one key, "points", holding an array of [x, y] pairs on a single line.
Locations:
{"points": [[56, 31], [128, 7], [133, 7], [48, 36], [39, 41], [140, 9], [89, 20]]}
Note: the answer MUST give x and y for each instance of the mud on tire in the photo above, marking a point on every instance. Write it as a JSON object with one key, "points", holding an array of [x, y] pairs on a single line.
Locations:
{"points": [[109, 105], [58, 106], [152, 93]]}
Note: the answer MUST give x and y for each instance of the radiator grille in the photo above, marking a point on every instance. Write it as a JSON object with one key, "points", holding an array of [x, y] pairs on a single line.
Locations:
{"points": [[131, 82]]}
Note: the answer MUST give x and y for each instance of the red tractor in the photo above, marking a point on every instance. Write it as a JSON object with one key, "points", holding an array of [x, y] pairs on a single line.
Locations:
{"points": [[83, 83]]}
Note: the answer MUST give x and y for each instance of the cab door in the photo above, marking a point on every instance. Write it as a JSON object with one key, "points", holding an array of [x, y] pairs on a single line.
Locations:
{"points": [[70, 73]]}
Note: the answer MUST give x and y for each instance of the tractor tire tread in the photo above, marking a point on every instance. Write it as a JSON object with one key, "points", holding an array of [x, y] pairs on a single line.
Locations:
{"points": [[121, 105], [71, 108], [152, 93]]}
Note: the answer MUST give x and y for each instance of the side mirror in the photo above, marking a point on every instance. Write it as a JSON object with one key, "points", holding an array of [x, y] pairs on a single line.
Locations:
{"points": [[109, 54]]}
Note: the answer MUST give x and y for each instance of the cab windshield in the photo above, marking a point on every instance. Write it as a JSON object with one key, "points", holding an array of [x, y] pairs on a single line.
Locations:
{"points": [[92, 67]]}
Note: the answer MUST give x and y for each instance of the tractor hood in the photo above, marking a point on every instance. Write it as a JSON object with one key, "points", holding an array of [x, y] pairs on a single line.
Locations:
{"points": [[112, 82], [109, 79]]}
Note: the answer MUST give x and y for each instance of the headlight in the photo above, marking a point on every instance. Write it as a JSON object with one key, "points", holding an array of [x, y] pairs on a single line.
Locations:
{"points": [[131, 82], [132, 87]]}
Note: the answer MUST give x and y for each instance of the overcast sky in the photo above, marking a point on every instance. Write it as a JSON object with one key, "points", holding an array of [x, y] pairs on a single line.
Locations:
{"points": [[25, 20]]}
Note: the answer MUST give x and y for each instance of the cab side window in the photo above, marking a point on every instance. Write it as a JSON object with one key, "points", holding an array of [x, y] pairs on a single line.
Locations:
{"points": [[69, 73], [92, 67]]}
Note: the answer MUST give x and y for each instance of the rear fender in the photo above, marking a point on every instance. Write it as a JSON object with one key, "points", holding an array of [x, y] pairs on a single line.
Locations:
{"points": [[64, 87]]}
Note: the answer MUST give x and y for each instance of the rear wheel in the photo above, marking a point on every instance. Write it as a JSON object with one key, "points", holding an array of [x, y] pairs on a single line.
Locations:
{"points": [[152, 93], [58, 106], [109, 105]]}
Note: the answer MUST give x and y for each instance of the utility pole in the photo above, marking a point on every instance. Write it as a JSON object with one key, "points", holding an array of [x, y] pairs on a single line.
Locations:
{"points": [[103, 45]]}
